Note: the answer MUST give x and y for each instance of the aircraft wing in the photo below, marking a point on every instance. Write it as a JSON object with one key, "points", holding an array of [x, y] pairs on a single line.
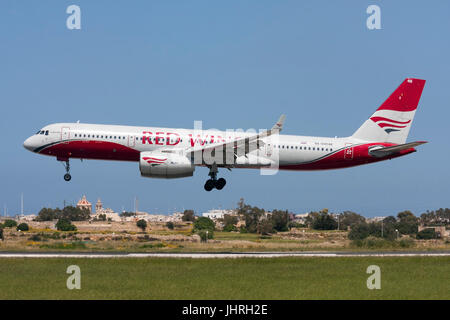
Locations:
{"points": [[386, 151], [243, 143]]}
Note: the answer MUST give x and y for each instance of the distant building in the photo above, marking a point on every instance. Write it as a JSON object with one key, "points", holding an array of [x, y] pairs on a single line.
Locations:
{"points": [[28, 217], [215, 214], [98, 205], [84, 204], [375, 219], [441, 230], [175, 217], [301, 218], [108, 213]]}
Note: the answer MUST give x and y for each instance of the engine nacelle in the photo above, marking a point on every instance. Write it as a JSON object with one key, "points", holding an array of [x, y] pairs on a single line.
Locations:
{"points": [[165, 165]]}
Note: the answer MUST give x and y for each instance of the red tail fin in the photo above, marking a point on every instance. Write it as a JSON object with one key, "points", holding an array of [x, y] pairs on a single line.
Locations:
{"points": [[406, 97]]}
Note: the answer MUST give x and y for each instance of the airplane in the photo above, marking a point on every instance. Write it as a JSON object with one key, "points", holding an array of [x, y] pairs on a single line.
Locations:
{"points": [[174, 153]]}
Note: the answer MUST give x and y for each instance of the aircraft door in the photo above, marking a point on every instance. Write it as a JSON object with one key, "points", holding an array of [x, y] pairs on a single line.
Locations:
{"points": [[348, 151], [131, 140], [65, 134], [269, 149]]}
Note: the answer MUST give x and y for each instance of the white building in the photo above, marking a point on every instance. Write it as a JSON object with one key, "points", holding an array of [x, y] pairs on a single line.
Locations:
{"points": [[28, 217], [218, 213], [301, 218], [375, 219], [108, 213]]}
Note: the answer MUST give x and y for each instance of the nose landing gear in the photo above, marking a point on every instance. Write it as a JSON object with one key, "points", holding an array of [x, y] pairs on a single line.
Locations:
{"points": [[67, 176], [214, 182]]}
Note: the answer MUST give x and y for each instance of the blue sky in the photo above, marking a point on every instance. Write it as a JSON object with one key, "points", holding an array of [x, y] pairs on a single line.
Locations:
{"points": [[231, 64]]}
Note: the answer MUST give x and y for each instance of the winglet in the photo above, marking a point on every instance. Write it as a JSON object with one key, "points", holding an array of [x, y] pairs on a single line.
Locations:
{"points": [[279, 125]]}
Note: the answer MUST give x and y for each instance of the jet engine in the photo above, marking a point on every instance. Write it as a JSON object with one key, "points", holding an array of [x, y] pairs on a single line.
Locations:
{"points": [[165, 165]]}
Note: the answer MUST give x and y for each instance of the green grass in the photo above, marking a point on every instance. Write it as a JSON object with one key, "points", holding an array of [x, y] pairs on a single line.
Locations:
{"points": [[243, 278]]}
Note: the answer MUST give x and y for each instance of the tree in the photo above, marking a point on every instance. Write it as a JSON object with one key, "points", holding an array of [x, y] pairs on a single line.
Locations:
{"points": [[407, 222], [170, 225], [280, 220], [204, 223], [188, 215], [265, 227], [230, 219], [142, 224], [310, 218], [324, 221], [359, 231], [230, 228], [205, 235], [23, 227], [48, 214], [252, 216], [349, 218], [65, 224], [440, 217], [75, 214], [1, 234], [9, 223]]}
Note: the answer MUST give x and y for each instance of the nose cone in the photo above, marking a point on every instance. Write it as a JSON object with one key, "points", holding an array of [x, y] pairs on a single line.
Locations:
{"points": [[27, 144]]}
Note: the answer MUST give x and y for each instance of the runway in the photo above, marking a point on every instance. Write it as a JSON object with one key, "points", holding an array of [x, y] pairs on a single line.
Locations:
{"points": [[220, 255]]}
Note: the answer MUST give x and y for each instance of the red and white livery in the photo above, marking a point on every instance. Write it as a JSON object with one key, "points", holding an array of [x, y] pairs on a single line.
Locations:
{"points": [[174, 153]]}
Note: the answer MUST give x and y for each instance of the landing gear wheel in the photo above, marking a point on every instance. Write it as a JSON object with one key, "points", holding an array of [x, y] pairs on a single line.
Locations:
{"points": [[219, 184], [209, 185], [66, 164]]}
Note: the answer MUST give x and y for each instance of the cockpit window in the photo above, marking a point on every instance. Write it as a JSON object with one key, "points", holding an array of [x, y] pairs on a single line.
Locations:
{"points": [[39, 131], [42, 132], [46, 132]]}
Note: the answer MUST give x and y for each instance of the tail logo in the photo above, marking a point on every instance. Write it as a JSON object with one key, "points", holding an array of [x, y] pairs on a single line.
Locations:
{"points": [[389, 125], [154, 161]]}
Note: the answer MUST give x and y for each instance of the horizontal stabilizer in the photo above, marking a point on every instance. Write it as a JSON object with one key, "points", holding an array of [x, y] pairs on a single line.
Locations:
{"points": [[386, 151]]}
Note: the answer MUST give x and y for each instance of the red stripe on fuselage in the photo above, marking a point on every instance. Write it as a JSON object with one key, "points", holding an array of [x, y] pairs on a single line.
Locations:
{"points": [[98, 150], [337, 160], [103, 150]]}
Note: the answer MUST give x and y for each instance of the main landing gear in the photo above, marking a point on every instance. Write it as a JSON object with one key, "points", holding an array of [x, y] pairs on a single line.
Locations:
{"points": [[214, 182], [67, 176]]}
